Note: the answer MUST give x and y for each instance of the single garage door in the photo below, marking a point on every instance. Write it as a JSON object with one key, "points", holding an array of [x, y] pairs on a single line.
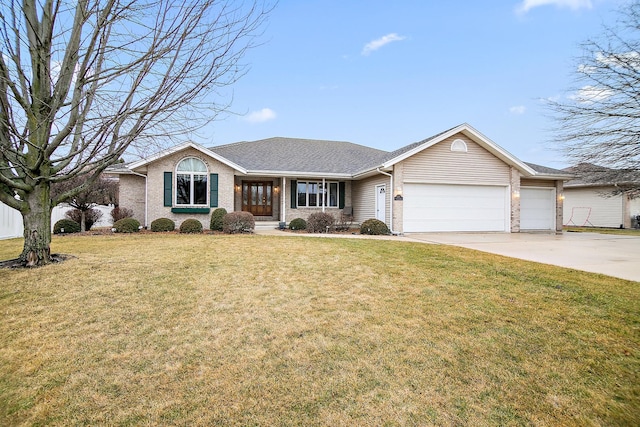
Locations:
{"points": [[537, 208], [437, 207]]}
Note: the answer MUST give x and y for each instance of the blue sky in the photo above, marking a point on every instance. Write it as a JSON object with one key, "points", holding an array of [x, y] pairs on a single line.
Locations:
{"points": [[389, 73]]}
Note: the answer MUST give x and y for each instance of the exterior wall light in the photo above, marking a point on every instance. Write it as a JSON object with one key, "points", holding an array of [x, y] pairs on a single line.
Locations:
{"points": [[516, 194]]}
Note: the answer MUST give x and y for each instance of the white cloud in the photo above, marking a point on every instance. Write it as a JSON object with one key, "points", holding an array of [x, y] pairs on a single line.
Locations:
{"points": [[526, 5], [518, 109], [378, 43], [260, 116], [589, 94]]}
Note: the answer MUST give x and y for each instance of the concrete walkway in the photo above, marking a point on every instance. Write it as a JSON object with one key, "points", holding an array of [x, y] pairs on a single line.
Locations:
{"points": [[613, 255]]}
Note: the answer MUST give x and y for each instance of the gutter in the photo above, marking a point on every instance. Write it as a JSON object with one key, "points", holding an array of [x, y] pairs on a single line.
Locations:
{"points": [[146, 202], [391, 198]]}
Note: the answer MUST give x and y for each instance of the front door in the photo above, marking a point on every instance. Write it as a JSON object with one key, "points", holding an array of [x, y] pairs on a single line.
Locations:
{"points": [[256, 198], [381, 202]]}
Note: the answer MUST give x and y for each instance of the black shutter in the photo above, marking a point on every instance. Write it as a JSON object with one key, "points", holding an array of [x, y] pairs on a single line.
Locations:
{"points": [[213, 190], [294, 194], [168, 182], [341, 195]]}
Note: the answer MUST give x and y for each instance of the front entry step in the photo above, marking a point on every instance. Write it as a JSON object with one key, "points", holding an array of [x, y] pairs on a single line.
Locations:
{"points": [[267, 225]]}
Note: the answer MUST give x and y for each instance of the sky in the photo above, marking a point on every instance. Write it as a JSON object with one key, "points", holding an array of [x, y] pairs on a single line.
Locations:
{"points": [[386, 74]]}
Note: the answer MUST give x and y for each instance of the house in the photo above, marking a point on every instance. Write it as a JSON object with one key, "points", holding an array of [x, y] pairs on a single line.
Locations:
{"points": [[601, 197], [458, 180]]}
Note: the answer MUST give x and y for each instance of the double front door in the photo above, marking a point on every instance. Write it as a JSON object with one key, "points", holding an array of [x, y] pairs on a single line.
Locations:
{"points": [[257, 197]]}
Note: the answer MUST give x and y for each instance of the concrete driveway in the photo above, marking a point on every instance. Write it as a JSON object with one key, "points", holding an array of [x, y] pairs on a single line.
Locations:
{"points": [[613, 255]]}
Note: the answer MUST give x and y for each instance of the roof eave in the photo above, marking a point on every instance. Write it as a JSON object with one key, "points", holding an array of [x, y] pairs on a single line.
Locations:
{"points": [[295, 174], [184, 146]]}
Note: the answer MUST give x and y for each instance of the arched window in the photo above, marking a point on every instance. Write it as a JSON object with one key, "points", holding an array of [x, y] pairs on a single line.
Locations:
{"points": [[459, 146], [191, 182]]}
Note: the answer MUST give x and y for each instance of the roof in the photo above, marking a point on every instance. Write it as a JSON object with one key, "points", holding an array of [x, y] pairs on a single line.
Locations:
{"points": [[549, 173], [590, 175], [281, 156], [311, 156]]}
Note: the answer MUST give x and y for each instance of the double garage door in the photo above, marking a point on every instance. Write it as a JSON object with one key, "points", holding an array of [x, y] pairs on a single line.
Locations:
{"points": [[479, 208], [438, 207]]}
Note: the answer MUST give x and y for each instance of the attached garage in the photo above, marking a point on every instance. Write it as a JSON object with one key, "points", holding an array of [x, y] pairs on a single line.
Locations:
{"points": [[537, 208], [444, 207]]}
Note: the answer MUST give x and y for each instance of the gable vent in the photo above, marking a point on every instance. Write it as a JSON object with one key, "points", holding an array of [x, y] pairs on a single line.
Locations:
{"points": [[459, 146]]}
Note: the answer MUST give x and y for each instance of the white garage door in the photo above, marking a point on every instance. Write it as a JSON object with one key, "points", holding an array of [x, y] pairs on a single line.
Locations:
{"points": [[435, 207], [537, 208]]}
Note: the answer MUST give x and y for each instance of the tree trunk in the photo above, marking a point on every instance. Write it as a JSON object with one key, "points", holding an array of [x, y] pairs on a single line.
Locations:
{"points": [[37, 228], [83, 220]]}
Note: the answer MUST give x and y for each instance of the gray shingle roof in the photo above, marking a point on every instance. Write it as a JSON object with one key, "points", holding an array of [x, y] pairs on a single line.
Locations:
{"points": [[588, 174], [547, 170], [301, 155]]}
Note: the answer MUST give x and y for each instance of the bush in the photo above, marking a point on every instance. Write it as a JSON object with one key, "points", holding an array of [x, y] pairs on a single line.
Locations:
{"points": [[374, 227], [127, 225], [91, 216], [120, 213], [163, 224], [216, 219], [238, 222], [298, 224], [320, 222], [68, 225], [191, 225]]}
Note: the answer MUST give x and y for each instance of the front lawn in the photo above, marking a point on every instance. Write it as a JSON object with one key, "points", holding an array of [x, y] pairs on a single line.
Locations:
{"points": [[258, 330]]}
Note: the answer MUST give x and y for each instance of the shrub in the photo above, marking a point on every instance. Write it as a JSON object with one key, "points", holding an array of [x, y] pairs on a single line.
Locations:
{"points": [[120, 213], [91, 216], [163, 224], [320, 222], [374, 227], [216, 219], [298, 224], [238, 222], [191, 225], [127, 225], [68, 225]]}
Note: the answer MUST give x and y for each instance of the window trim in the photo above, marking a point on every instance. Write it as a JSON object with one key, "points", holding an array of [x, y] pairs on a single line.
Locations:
{"points": [[326, 191], [192, 191]]}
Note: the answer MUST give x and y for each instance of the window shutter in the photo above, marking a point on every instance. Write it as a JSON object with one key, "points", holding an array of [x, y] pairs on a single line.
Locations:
{"points": [[341, 195], [213, 190], [294, 194], [168, 182]]}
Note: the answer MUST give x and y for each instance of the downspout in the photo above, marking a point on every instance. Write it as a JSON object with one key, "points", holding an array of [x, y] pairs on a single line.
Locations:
{"points": [[390, 197], [146, 204]]}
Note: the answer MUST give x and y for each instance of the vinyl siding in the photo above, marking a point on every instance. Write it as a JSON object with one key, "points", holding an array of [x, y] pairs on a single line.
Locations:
{"points": [[587, 204], [364, 198], [439, 165]]}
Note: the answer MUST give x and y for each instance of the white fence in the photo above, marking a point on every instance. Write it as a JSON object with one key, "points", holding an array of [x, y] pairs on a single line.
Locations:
{"points": [[11, 225]]}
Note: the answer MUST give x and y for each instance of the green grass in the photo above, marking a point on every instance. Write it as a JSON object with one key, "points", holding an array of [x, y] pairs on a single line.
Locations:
{"points": [[254, 330]]}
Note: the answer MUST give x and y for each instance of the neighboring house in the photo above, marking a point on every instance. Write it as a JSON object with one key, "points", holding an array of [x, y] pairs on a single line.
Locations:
{"points": [[458, 180], [601, 197]]}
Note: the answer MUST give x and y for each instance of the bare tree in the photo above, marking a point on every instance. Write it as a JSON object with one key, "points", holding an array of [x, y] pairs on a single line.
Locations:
{"points": [[83, 82], [102, 191], [599, 122]]}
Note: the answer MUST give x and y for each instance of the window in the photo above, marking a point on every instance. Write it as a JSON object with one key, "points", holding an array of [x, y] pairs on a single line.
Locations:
{"points": [[313, 194], [191, 182]]}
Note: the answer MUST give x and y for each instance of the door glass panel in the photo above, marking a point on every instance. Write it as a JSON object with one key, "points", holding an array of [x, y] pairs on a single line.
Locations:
{"points": [[268, 194]]}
